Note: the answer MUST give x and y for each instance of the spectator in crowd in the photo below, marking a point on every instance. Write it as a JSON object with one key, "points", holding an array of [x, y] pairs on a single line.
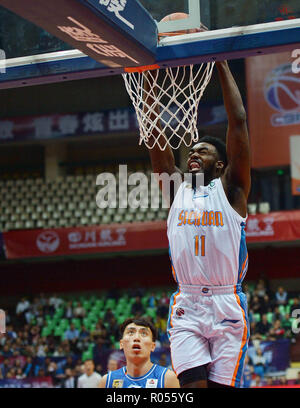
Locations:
{"points": [[295, 305], [281, 296], [84, 332], [269, 381], [4, 367], [247, 373], [262, 328], [112, 364], [28, 369], [137, 308], [71, 333], [113, 329], [70, 380], [276, 314], [108, 315], [260, 289], [6, 351], [79, 311], [100, 348], [10, 332], [265, 305], [277, 331], [99, 330], [19, 374], [152, 301], [40, 318], [255, 304], [48, 308], [162, 309], [90, 379], [283, 380], [259, 363], [56, 301], [56, 372], [69, 310], [256, 382], [21, 309]]}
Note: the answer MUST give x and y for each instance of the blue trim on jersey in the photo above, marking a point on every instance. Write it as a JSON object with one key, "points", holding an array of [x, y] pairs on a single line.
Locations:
{"points": [[243, 253], [170, 312], [239, 374], [175, 277]]}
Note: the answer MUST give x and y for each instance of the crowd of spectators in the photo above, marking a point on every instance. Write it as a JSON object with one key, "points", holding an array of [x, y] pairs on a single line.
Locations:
{"points": [[25, 352]]}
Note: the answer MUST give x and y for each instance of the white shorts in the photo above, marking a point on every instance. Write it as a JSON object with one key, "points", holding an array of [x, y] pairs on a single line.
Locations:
{"points": [[209, 325]]}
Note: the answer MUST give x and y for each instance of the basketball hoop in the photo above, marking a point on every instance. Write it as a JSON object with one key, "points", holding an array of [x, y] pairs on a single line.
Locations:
{"points": [[166, 103]]}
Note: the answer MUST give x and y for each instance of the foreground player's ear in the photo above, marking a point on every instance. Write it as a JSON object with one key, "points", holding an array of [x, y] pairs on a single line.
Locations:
{"points": [[153, 346], [121, 344], [219, 165]]}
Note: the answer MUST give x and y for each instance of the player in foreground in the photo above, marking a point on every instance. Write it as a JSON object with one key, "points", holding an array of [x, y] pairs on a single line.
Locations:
{"points": [[208, 324], [138, 338]]}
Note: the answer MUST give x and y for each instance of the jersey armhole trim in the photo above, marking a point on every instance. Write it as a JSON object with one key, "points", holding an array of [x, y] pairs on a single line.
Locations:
{"points": [[234, 212]]}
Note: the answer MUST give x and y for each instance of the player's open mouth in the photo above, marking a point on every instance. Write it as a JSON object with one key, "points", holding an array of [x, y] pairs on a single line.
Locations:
{"points": [[194, 164], [136, 347]]}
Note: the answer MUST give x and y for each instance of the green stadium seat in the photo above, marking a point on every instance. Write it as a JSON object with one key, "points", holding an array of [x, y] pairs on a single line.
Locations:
{"points": [[59, 331], [87, 355], [281, 309], [288, 309], [110, 304], [77, 323], [86, 305], [256, 317], [46, 331], [270, 317], [151, 312]]}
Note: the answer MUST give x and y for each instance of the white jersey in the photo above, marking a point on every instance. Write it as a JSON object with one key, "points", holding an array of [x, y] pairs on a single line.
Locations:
{"points": [[206, 237]]}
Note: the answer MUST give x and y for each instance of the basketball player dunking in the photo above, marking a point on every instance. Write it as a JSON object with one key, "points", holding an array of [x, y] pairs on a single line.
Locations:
{"points": [[208, 324]]}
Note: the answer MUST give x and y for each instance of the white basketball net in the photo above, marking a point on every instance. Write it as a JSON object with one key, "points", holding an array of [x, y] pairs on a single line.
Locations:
{"points": [[166, 103]]}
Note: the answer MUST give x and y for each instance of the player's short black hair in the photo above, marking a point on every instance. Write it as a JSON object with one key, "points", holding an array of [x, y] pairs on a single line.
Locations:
{"points": [[139, 321], [219, 145]]}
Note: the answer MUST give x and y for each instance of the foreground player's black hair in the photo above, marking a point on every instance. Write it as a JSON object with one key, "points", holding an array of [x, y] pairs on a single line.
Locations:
{"points": [[219, 145], [139, 321]]}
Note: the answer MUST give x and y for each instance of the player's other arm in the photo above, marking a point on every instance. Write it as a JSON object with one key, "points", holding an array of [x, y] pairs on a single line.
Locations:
{"points": [[171, 380], [162, 161], [237, 173], [102, 382]]}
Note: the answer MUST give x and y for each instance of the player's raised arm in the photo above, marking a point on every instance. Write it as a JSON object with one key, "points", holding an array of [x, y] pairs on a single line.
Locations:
{"points": [[237, 174], [162, 161]]}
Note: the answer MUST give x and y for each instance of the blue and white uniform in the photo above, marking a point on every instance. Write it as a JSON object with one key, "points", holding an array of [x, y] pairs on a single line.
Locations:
{"points": [[208, 322], [155, 378]]}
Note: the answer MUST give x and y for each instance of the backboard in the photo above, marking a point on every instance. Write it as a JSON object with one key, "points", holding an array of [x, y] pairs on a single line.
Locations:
{"points": [[237, 29]]}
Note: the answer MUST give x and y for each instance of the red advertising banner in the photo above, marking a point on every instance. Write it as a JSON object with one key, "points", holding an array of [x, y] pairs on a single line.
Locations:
{"points": [[85, 240], [272, 227], [273, 88], [275, 226]]}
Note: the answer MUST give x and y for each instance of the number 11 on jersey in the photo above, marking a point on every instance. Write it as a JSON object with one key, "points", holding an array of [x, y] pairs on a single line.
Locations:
{"points": [[200, 241]]}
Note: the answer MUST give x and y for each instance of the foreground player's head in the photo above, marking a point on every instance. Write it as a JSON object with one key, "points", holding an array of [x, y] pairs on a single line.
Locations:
{"points": [[208, 157], [138, 336]]}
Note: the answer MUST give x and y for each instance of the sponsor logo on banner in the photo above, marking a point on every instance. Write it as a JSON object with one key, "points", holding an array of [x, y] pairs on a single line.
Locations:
{"points": [[96, 239], [48, 242], [151, 383], [282, 93], [260, 228]]}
